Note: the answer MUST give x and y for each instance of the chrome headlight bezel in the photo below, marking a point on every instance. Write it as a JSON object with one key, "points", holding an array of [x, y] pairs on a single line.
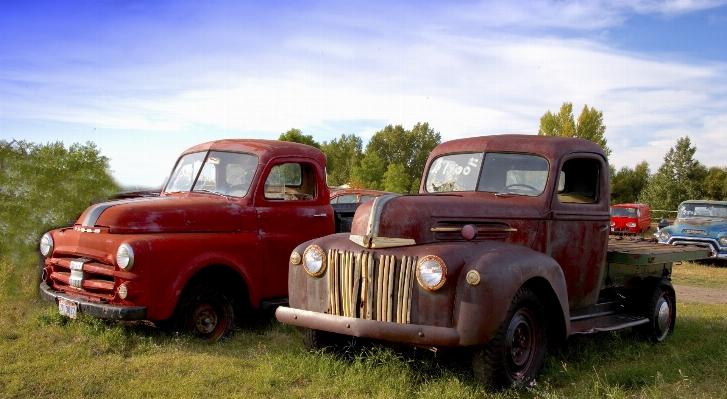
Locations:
{"points": [[663, 236], [46, 245], [314, 260], [431, 272], [722, 241], [125, 257]]}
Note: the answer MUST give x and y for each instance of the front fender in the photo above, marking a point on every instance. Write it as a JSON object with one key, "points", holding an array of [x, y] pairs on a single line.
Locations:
{"points": [[176, 261], [481, 309]]}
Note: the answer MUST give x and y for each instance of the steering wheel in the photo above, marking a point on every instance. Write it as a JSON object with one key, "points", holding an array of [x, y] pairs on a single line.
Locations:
{"points": [[521, 185]]}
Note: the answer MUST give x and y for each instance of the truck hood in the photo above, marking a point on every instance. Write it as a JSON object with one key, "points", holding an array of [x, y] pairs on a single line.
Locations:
{"points": [[164, 214], [436, 217]]}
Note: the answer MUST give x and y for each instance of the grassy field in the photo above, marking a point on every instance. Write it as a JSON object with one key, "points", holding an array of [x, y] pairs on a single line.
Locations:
{"points": [[45, 355]]}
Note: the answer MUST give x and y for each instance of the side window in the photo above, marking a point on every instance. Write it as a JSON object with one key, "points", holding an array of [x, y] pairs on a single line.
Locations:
{"points": [[291, 182], [578, 181]]}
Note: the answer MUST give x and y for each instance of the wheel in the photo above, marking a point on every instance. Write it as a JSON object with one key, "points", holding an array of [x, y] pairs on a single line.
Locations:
{"points": [[317, 340], [206, 313], [659, 307], [516, 354]]}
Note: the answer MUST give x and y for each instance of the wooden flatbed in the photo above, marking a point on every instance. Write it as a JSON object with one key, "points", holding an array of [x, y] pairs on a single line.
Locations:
{"points": [[643, 252]]}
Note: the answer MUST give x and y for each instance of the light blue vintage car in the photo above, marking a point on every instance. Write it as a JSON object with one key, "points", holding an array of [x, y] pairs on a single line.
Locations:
{"points": [[702, 223]]}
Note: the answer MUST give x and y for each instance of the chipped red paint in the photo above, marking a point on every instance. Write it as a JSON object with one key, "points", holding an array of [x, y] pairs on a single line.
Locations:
{"points": [[177, 236]]}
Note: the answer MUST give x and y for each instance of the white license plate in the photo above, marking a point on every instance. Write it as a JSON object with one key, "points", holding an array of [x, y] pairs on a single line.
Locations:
{"points": [[67, 308]]}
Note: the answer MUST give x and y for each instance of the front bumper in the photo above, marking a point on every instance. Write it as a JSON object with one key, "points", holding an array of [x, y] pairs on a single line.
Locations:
{"points": [[717, 251], [95, 309], [407, 333]]}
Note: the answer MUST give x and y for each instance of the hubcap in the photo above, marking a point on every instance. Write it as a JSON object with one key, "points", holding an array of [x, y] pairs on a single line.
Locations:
{"points": [[521, 343], [663, 316], [205, 318]]}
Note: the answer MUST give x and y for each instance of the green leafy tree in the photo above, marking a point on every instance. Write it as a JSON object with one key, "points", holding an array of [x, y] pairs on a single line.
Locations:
{"points": [[296, 136], [396, 179], [407, 148], [343, 156], [43, 186], [589, 125], [714, 185], [627, 183], [678, 179], [369, 174]]}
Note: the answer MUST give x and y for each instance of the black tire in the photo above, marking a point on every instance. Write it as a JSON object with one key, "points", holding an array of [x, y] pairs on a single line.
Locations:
{"points": [[317, 340], [516, 354], [659, 306], [206, 313]]}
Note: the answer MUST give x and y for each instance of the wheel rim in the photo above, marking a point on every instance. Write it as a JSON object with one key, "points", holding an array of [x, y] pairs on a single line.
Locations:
{"points": [[663, 316], [521, 342], [205, 319]]}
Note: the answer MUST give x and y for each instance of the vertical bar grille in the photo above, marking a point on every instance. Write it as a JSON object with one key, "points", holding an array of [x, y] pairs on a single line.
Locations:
{"points": [[363, 287]]}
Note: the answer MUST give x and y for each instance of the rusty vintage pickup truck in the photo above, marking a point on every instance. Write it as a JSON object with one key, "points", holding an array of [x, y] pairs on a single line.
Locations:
{"points": [[504, 251], [213, 243]]}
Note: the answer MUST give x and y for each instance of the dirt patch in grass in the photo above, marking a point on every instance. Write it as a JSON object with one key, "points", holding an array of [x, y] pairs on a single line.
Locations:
{"points": [[701, 294]]}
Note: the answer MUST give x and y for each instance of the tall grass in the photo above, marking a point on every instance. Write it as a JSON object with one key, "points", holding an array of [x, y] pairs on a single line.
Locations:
{"points": [[43, 354]]}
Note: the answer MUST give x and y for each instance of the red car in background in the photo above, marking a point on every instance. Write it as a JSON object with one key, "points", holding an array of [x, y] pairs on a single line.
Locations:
{"points": [[630, 218], [354, 195]]}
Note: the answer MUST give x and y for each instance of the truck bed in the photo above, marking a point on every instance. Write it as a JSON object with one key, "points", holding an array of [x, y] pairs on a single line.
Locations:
{"points": [[642, 252]]}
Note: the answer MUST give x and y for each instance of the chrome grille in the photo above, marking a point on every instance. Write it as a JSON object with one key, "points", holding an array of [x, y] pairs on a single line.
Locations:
{"points": [[363, 287], [82, 274]]}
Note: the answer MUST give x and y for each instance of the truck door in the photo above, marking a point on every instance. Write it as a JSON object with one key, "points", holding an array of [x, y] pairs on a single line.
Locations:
{"points": [[579, 228], [292, 209]]}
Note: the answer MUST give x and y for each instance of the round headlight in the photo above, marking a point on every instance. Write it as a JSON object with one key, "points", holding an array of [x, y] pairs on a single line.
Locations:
{"points": [[613, 223], [314, 260], [125, 256], [663, 236], [46, 245], [723, 241], [431, 272], [630, 224]]}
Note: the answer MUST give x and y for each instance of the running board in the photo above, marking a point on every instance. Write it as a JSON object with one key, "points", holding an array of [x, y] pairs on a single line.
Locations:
{"points": [[610, 322]]}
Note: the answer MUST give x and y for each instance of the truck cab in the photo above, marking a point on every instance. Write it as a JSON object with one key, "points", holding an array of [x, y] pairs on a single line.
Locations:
{"points": [[504, 249], [215, 241]]}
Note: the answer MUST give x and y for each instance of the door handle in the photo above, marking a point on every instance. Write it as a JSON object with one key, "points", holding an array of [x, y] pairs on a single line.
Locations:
{"points": [[319, 215]]}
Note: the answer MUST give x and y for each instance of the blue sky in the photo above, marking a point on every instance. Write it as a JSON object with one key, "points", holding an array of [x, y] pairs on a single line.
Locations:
{"points": [[145, 80]]}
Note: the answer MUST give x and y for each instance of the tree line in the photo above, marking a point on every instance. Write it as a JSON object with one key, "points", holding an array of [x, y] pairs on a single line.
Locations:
{"points": [[393, 160]]}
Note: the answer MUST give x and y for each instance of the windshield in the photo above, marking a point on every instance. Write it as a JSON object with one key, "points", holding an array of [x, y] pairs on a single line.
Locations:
{"points": [[623, 212], [454, 172], [223, 173], [500, 173], [697, 210]]}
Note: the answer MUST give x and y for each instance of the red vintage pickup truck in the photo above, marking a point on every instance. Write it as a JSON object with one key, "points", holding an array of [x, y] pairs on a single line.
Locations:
{"points": [[504, 252], [213, 243]]}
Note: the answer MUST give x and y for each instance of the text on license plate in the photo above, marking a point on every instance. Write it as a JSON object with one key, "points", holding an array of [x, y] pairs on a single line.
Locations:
{"points": [[67, 308]]}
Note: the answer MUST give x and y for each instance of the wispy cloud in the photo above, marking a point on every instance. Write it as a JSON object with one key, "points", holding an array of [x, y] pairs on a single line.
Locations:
{"points": [[467, 69]]}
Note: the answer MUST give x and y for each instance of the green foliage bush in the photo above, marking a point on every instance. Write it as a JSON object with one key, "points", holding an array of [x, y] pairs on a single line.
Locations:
{"points": [[44, 186]]}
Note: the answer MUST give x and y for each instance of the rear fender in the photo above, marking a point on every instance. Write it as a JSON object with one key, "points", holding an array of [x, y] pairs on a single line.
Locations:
{"points": [[481, 309]]}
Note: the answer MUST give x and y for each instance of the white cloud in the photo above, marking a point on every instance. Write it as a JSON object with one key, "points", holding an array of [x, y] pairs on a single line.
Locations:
{"points": [[467, 70]]}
